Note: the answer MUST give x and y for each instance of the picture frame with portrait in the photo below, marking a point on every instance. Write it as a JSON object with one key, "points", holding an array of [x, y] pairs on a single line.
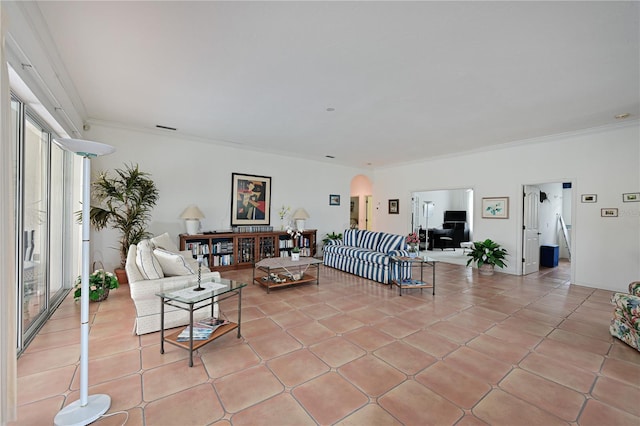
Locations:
{"points": [[250, 199]]}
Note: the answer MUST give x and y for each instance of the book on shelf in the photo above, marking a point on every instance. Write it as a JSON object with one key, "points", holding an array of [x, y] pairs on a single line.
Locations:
{"points": [[410, 281], [211, 323], [199, 333]]}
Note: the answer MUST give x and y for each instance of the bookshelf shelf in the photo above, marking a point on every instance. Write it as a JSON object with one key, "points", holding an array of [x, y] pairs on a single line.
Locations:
{"points": [[239, 250]]}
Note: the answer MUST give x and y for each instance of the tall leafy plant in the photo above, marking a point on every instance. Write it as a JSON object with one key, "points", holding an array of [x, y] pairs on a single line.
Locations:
{"points": [[487, 252], [124, 202]]}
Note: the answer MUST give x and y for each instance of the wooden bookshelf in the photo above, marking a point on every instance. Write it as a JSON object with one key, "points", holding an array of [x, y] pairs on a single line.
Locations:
{"points": [[239, 250]]}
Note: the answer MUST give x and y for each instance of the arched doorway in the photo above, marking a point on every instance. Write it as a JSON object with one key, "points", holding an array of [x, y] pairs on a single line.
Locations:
{"points": [[360, 206]]}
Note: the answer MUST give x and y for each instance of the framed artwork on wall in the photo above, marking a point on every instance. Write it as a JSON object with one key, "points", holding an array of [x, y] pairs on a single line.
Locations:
{"points": [[394, 206], [334, 200], [589, 198], [495, 207], [631, 197], [610, 212], [250, 200]]}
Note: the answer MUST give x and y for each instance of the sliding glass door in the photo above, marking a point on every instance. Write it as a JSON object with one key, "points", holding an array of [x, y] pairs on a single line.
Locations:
{"points": [[43, 201]]}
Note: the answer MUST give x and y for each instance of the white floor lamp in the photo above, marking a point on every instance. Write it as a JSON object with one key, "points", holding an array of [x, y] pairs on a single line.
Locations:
{"points": [[88, 408]]}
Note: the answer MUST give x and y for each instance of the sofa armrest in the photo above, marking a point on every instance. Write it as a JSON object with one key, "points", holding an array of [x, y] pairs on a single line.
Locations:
{"points": [[627, 303], [634, 288], [149, 288], [338, 242]]}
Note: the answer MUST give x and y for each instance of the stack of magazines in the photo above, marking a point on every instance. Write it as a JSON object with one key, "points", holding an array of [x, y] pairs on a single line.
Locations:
{"points": [[202, 329]]}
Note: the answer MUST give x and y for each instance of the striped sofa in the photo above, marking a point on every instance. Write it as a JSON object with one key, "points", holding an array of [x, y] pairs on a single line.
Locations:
{"points": [[365, 253]]}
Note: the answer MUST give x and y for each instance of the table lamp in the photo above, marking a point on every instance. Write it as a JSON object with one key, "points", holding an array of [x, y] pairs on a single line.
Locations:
{"points": [[192, 216], [300, 216]]}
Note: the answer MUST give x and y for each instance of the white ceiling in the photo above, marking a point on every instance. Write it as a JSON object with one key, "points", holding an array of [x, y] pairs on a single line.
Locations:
{"points": [[408, 80]]}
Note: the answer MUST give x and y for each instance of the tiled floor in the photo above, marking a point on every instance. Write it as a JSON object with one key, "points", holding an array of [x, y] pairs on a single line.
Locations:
{"points": [[501, 350]]}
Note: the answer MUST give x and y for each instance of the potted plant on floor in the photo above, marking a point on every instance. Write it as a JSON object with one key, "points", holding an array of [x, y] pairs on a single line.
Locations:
{"points": [[487, 254], [124, 202]]}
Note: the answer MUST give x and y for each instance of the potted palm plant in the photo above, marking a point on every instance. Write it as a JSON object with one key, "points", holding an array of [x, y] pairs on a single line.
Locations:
{"points": [[124, 202], [487, 254]]}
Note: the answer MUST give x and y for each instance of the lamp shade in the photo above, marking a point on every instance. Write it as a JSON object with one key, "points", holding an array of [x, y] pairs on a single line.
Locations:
{"points": [[192, 212], [300, 214]]}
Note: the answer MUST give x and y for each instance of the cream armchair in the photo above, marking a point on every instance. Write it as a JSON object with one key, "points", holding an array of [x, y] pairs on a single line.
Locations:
{"points": [[149, 279]]}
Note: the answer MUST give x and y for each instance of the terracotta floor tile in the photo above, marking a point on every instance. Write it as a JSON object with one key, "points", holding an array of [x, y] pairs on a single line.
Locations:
{"points": [[31, 363], [259, 327], [109, 368], [370, 415], [329, 398], [33, 413], [319, 311], [46, 384], [498, 348], [595, 413], [341, 323], [500, 408], [618, 394], [369, 338], [236, 358], [125, 392], [452, 332], [453, 384], [478, 364], [274, 344], [151, 356], [337, 351], [570, 355], [518, 337], [623, 371], [471, 322], [246, 388], [539, 317], [367, 315], [580, 341], [289, 319], [297, 367], [275, 307], [431, 343], [559, 372], [434, 409], [172, 378], [527, 326], [270, 412], [545, 394], [196, 406], [311, 333], [406, 358], [371, 375], [624, 352]]}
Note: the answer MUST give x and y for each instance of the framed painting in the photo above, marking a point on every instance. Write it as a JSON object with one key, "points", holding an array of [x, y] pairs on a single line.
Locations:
{"points": [[250, 200], [495, 207], [589, 198], [631, 197], [334, 200], [394, 206], [611, 212]]}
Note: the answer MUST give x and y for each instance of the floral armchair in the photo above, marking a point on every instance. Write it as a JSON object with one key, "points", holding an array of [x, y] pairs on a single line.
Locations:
{"points": [[625, 324]]}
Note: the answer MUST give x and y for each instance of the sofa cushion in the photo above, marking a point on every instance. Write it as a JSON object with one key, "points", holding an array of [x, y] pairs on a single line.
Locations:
{"points": [[172, 264], [351, 237], [164, 241], [146, 262], [389, 242], [369, 240], [370, 256], [133, 273]]}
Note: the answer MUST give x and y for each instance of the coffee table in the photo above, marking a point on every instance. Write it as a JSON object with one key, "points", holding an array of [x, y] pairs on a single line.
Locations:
{"points": [[282, 271], [396, 268], [187, 299]]}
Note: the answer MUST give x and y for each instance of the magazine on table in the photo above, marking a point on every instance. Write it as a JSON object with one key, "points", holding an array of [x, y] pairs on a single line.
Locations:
{"points": [[199, 333], [211, 323]]}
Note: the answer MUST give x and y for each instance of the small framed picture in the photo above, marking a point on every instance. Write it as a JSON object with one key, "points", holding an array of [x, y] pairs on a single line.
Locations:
{"points": [[394, 206], [334, 200], [631, 197], [589, 198], [495, 208], [611, 212]]}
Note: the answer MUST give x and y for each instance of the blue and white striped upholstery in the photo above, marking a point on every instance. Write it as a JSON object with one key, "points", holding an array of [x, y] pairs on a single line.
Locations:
{"points": [[351, 237], [365, 262], [390, 242], [368, 240]]}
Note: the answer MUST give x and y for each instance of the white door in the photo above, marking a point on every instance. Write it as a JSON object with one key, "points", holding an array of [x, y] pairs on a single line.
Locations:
{"points": [[531, 236]]}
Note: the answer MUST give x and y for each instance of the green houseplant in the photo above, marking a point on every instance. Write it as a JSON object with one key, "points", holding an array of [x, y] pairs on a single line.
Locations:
{"points": [[331, 236], [124, 202], [100, 282], [487, 254]]}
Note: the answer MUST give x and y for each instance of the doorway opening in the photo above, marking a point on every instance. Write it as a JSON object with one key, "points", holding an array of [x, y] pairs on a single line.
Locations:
{"points": [[547, 226], [443, 220], [360, 213]]}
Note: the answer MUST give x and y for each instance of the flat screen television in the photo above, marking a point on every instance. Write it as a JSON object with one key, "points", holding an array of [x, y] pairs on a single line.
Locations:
{"points": [[455, 216]]}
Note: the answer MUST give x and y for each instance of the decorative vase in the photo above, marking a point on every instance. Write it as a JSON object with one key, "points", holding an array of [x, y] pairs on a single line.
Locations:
{"points": [[295, 256], [121, 274], [413, 250], [486, 269]]}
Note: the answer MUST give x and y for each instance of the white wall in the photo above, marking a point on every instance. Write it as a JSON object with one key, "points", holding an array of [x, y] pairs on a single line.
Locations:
{"points": [[603, 161], [193, 172]]}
